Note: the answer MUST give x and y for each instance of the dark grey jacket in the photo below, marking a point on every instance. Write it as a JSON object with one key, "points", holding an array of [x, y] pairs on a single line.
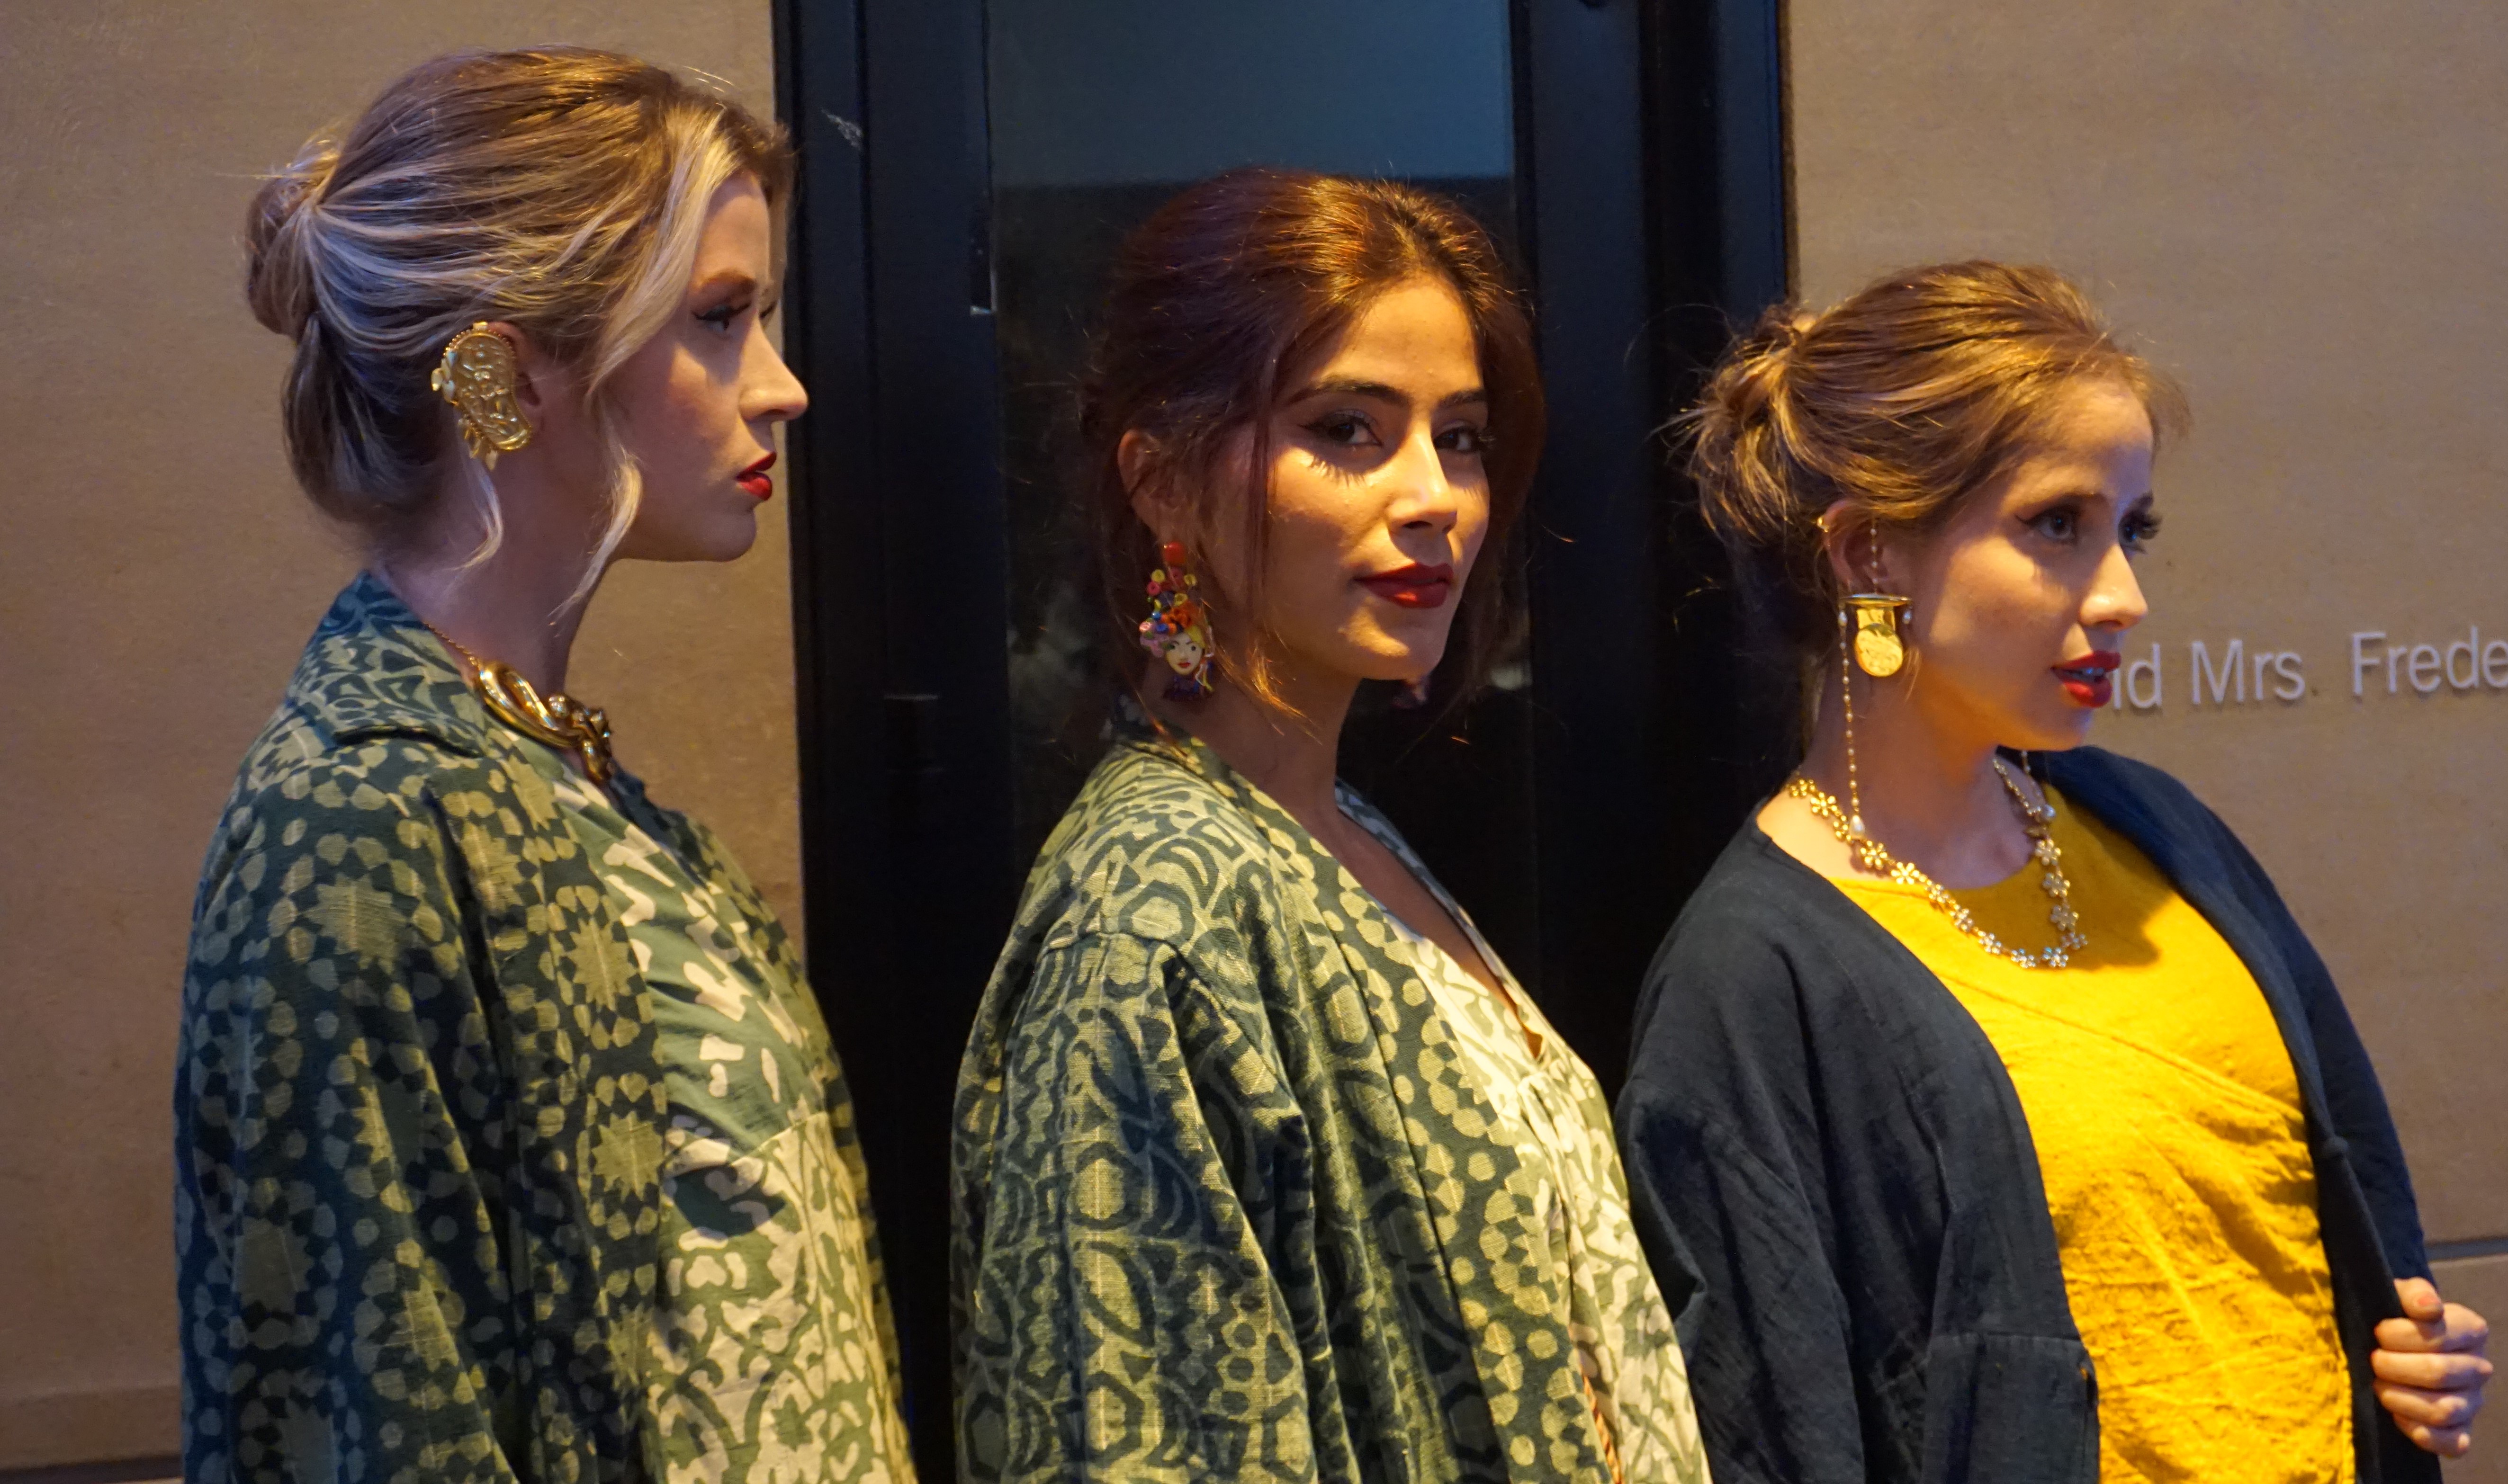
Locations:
{"points": [[1837, 1188]]}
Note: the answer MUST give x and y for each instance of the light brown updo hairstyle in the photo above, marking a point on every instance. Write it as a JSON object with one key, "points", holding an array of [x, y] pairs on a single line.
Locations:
{"points": [[1902, 401], [561, 190], [1215, 300]]}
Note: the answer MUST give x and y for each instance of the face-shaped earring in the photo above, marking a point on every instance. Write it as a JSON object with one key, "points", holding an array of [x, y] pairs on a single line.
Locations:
{"points": [[1178, 628], [479, 376]]}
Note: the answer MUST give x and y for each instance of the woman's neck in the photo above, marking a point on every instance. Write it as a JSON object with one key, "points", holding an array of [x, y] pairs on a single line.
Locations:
{"points": [[518, 607], [1293, 758], [1930, 789]]}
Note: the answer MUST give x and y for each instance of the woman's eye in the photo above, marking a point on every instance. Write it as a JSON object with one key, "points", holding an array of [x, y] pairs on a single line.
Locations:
{"points": [[2055, 524], [1348, 429], [720, 317], [1465, 438], [2138, 532]]}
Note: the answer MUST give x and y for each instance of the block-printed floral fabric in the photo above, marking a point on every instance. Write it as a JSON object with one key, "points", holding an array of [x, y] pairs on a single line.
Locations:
{"points": [[768, 1365], [1228, 1203], [418, 1109], [1583, 1240]]}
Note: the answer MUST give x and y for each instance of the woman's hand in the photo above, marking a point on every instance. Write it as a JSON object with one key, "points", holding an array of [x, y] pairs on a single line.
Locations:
{"points": [[2430, 1368]]}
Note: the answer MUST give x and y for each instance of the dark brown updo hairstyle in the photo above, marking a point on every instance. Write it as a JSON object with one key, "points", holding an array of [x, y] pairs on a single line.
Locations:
{"points": [[1902, 401], [561, 190], [1219, 297]]}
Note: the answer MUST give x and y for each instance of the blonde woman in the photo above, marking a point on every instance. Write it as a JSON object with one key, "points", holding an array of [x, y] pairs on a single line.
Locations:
{"points": [[1990, 1117], [510, 1141]]}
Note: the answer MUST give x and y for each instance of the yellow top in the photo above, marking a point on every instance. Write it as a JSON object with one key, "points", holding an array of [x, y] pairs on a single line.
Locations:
{"points": [[2170, 1138]]}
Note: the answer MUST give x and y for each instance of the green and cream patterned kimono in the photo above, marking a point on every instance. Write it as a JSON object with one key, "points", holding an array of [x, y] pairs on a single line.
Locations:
{"points": [[767, 1361], [1229, 1203], [424, 1106]]}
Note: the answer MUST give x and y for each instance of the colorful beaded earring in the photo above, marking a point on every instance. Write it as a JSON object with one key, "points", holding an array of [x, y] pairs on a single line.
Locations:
{"points": [[1178, 628]]}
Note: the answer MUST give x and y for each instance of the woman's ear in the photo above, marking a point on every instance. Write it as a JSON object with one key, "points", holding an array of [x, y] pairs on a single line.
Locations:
{"points": [[1860, 557], [1137, 460], [1843, 540], [536, 378]]}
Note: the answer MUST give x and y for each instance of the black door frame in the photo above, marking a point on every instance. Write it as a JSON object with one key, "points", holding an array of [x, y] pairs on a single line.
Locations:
{"points": [[1650, 173], [899, 568]]}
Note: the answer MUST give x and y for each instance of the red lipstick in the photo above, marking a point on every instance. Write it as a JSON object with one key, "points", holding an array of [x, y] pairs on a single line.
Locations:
{"points": [[1414, 586], [2087, 679], [754, 481]]}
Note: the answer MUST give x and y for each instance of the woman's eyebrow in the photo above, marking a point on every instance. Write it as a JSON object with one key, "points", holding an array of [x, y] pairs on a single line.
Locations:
{"points": [[2068, 491], [728, 276], [1354, 386], [1347, 386]]}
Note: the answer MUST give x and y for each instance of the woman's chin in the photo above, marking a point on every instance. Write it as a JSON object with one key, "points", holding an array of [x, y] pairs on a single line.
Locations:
{"points": [[1402, 670], [727, 540], [2054, 733], [1399, 657]]}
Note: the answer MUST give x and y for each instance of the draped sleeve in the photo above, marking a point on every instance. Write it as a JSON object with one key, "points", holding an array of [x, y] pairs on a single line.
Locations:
{"points": [[342, 1291], [1129, 1180]]}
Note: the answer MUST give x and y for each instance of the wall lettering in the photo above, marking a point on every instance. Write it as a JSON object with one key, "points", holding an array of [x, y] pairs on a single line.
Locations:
{"points": [[2466, 664], [2236, 674]]}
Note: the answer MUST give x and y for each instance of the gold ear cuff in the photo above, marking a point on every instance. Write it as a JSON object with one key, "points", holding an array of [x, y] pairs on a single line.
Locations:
{"points": [[479, 376]]}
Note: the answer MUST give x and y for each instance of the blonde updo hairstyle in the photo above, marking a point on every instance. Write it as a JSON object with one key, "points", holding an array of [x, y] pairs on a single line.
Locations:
{"points": [[561, 190], [1902, 401]]}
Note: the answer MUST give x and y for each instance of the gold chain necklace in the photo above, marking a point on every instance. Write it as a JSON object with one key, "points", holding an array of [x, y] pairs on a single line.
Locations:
{"points": [[1873, 857], [556, 719]]}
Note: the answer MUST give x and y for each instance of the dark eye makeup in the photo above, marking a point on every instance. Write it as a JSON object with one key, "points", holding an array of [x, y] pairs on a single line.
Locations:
{"points": [[2139, 527], [2061, 523], [1355, 430], [1349, 430]]}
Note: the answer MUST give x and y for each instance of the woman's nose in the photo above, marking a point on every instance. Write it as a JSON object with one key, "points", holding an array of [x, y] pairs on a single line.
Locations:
{"points": [[774, 393], [2116, 600], [1428, 496]]}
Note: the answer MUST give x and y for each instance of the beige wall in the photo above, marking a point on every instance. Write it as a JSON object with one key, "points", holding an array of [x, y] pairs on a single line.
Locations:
{"points": [[2302, 212], [158, 575]]}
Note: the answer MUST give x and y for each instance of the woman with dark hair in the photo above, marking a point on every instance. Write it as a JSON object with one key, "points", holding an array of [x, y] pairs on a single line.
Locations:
{"points": [[1991, 1118], [1265, 1166]]}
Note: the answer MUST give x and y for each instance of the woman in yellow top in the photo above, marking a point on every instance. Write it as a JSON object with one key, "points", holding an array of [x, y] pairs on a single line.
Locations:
{"points": [[1990, 1117]]}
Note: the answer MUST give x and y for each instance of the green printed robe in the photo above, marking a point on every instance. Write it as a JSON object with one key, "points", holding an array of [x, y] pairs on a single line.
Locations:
{"points": [[418, 1108], [1227, 1205], [768, 1364]]}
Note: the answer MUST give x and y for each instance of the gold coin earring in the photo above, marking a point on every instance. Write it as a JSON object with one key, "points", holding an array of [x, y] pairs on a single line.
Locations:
{"points": [[1846, 636], [481, 378], [1880, 650], [1872, 637]]}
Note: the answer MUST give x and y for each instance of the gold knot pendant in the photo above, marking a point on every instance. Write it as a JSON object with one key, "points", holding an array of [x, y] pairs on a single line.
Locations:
{"points": [[556, 719]]}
